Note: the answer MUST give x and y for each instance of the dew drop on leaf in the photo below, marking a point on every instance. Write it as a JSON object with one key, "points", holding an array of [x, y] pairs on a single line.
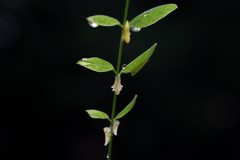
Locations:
{"points": [[135, 29], [92, 24]]}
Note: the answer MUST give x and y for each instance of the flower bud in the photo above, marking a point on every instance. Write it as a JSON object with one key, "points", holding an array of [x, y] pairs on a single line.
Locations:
{"points": [[117, 87], [115, 127], [107, 131], [126, 33]]}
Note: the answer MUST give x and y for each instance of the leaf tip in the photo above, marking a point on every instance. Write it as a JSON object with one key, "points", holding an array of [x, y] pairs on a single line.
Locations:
{"points": [[92, 22]]}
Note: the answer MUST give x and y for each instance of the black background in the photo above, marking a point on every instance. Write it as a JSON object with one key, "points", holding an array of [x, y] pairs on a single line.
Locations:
{"points": [[188, 93]]}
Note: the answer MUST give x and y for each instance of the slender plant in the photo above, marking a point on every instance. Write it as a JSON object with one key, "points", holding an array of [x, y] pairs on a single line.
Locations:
{"points": [[143, 20]]}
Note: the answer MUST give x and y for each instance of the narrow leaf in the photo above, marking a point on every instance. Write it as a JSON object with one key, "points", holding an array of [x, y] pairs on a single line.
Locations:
{"points": [[126, 109], [139, 62], [96, 64], [151, 16], [97, 114], [102, 20], [134, 71]]}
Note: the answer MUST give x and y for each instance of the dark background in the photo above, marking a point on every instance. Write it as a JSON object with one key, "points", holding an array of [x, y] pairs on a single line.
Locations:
{"points": [[188, 93]]}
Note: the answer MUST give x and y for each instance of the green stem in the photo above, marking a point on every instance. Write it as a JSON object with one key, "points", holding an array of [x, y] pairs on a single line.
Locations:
{"points": [[121, 42], [118, 69]]}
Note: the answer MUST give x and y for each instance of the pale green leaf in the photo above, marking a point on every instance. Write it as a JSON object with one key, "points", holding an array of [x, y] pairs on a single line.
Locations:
{"points": [[151, 16], [126, 109], [97, 114], [96, 64], [139, 62], [102, 20]]}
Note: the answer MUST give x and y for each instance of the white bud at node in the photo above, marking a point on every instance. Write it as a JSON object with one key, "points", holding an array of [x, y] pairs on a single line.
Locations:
{"points": [[117, 87]]}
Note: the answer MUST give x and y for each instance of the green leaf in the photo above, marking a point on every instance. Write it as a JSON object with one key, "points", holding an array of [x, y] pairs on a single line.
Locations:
{"points": [[96, 64], [97, 114], [151, 16], [139, 62], [139, 67], [101, 20], [126, 109]]}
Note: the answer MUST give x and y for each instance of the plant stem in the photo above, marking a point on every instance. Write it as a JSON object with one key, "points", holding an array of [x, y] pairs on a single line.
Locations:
{"points": [[121, 42], [118, 69]]}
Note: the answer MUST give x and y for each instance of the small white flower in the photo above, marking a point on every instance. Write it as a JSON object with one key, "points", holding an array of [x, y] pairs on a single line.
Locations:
{"points": [[115, 127], [117, 87], [107, 131]]}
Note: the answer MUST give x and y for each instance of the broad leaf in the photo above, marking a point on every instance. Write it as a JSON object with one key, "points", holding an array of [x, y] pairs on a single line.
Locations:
{"points": [[151, 16], [96, 64], [126, 109], [101, 20], [97, 114], [139, 62]]}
